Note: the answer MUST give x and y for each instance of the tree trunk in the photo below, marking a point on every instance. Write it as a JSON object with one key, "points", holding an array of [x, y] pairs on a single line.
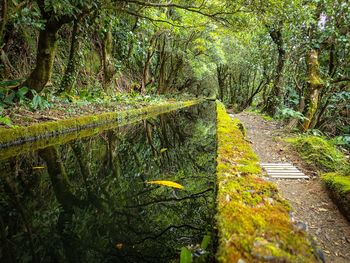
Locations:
{"points": [[222, 76], [70, 74], [162, 70], [47, 46], [145, 73], [315, 85], [3, 21], [107, 56], [59, 178], [274, 100]]}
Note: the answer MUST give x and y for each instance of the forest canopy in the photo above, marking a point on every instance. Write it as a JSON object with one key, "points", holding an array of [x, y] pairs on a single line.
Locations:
{"points": [[290, 59]]}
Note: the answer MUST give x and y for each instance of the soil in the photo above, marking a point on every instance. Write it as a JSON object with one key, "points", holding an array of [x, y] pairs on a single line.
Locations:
{"points": [[309, 199]]}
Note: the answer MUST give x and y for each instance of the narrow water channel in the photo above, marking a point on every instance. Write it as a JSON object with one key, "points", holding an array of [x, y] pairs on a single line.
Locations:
{"points": [[93, 200]]}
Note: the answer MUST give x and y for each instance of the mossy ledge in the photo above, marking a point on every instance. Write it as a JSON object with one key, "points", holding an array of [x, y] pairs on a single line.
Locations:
{"points": [[338, 184], [252, 219], [39, 135], [325, 157]]}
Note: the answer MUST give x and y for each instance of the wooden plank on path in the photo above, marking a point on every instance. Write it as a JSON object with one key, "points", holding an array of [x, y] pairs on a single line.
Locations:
{"points": [[283, 171]]}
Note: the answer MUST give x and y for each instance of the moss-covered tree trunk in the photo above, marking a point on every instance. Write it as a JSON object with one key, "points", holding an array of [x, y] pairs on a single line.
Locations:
{"points": [[71, 72], [146, 80], [47, 46], [67, 200], [163, 57], [59, 178], [315, 85], [221, 71], [107, 59], [275, 99]]}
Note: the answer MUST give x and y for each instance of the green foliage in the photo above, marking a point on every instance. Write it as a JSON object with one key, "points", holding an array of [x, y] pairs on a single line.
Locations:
{"points": [[288, 113], [5, 120], [319, 152], [38, 102], [10, 97], [342, 141], [28, 17], [185, 255]]}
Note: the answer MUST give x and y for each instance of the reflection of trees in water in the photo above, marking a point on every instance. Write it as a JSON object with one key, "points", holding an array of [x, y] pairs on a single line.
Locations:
{"points": [[91, 202]]}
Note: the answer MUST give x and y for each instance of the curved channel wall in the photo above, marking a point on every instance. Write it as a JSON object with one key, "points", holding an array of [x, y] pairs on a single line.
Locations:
{"points": [[253, 221]]}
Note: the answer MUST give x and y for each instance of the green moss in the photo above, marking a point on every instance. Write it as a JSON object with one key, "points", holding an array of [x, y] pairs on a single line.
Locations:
{"points": [[338, 182], [50, 133], [318, 152], [240, 127], [252, 220]]}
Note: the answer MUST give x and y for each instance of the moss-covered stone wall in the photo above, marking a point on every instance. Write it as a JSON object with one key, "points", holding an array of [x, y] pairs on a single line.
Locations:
{"points": [[13, 141], [252, 219]]}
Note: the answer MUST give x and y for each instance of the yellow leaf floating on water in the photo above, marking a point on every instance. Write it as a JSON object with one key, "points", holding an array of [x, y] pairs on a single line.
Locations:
{"points": [[38, 167], [163, 150], [167, 183]]}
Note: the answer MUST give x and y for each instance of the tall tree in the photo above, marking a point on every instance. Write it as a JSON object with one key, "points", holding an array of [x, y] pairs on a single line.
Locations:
{"points": [[55, 16], [275, 99]]}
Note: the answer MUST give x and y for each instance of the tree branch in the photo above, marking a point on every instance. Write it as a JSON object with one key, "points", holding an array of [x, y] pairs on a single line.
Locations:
{"points": [[190, 8]]}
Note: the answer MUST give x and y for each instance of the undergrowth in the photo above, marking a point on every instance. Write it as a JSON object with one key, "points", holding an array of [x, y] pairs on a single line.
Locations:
{"points": [[15, 105]]}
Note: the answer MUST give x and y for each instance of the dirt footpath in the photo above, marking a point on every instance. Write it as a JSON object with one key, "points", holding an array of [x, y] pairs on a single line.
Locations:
{"points": [[309, 199]]}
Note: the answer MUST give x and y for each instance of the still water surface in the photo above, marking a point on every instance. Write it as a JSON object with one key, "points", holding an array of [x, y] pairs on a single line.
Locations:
{"points": [[90, 200]]}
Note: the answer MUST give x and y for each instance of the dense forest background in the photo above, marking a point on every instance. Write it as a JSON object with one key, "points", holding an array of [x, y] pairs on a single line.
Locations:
{"points": [[290, 59]]}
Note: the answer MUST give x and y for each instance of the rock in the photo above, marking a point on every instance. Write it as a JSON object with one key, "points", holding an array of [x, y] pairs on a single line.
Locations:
{"points": [[301, 226], [320, 255], [318, 231]]}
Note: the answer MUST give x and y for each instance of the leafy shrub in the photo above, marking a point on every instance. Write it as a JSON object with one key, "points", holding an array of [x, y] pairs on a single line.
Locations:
{"points": [[4, 119], [288, 113], [38, 102], [342, 141]]}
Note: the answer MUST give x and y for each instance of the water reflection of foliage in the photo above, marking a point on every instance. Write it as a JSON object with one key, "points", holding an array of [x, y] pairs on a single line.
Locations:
{"points": [[92, 203]]}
